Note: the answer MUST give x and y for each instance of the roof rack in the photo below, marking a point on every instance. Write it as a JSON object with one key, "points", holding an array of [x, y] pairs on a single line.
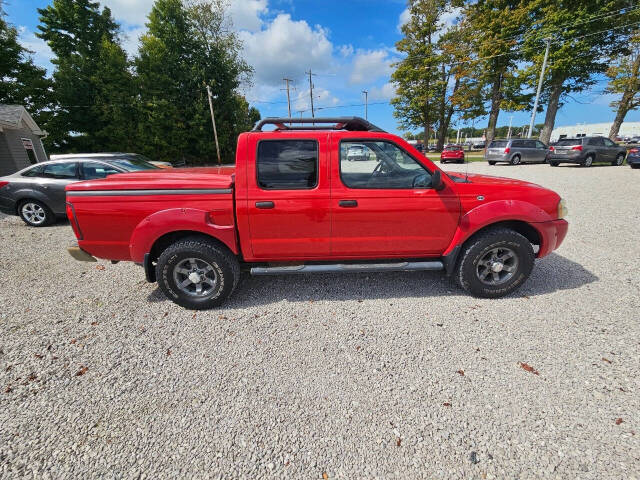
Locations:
{"points": [[338, 123]]}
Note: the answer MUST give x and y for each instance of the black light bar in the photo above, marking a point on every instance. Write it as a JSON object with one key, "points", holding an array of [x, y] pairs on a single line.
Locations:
{"points": [[327, 123]]}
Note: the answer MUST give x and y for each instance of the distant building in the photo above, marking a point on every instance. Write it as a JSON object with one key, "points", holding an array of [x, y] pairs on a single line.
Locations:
{"points": [[627, 129], [20, 140]]}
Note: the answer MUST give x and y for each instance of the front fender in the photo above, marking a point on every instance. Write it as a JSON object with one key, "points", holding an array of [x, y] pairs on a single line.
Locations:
{"points": [[495, 212], [179, 219]]}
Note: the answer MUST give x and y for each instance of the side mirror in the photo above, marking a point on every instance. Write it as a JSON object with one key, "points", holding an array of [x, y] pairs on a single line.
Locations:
{"points": [[436, 180]]}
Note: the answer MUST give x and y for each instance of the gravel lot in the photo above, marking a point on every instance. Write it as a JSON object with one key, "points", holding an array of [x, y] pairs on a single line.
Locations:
{"points": [[341, 376]]}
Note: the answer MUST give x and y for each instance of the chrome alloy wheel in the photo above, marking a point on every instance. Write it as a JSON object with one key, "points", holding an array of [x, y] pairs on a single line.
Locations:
{"points": [[34, 213], [195, 277], [497, 266]]}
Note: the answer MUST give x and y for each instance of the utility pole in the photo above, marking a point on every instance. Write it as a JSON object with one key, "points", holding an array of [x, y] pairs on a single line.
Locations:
{"points": [[535, 104], [311, 92], [509, 132], [287, 80], [366, 104], [213, 120]]}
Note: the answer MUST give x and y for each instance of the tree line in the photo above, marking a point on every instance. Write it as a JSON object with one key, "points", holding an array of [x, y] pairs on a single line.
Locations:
{"points": [[491, 58], [100, 100]]}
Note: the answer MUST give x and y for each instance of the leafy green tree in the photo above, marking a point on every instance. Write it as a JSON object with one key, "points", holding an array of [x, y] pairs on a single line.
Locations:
{"points": [[624, 80], [498, 26], [584, 36], [76, 32], [187, 47], [23, 82]]}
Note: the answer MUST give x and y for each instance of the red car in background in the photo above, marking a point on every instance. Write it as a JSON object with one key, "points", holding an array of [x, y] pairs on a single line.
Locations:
{"points": [[452, 153]]}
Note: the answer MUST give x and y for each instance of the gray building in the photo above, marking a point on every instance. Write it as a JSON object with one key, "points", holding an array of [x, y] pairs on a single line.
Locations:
{"points": [[20, 140]]}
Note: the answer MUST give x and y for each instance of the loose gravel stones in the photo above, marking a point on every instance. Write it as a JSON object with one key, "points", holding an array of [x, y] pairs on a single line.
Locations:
{"points": [[337, 376]]}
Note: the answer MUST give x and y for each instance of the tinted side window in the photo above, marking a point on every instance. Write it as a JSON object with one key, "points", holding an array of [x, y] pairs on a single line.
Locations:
{"points": [[63, 171], [287, 164], [596, 141], [518, 143], [539, 144], [383, 165], [34, 172], [95, 170], [608, 143]]}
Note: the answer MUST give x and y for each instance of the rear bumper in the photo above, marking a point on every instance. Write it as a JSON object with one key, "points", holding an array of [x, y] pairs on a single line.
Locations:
{"points": [[565, 158], [553, 233], [7, 206], [497, 157]]}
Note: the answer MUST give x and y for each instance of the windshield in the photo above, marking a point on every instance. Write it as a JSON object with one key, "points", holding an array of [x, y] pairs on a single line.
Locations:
{"points": [[569, 141], [132, 163], [498, 144]]}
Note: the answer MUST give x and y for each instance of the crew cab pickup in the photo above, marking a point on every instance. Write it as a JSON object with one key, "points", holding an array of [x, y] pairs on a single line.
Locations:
{"points": [[295, 203]]}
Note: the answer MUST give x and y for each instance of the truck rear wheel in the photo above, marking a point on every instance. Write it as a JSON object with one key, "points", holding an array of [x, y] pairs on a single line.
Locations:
{"points": [[495, 263], [197, 273]]}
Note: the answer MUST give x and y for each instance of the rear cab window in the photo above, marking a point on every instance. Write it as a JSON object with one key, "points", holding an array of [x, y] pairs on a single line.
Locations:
{"points": [[287, 164], [568, 142]]}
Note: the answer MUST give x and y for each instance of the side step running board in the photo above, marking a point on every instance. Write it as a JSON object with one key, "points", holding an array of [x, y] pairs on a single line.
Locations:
{"points": [[349, 267]]}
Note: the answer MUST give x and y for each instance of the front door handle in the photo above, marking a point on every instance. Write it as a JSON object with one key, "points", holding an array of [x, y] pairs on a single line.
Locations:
{"points": [[348, 203], [265, 204]]}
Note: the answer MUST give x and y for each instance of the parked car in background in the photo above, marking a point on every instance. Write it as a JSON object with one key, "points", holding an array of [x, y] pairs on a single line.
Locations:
{"points": [[356, 153], [479, 145], [585, 151], [516, 151], [160, 164], [36, 194], [452, 153], [633, 158], [632, 140]]}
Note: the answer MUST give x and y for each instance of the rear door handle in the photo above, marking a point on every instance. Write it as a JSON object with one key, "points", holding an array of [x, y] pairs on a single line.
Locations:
{"points": [[348, 203], [265, 204]]}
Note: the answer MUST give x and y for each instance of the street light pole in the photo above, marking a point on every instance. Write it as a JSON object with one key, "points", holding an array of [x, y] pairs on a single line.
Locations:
{"points": [[213, 120], [366, 104], [535, 105]]}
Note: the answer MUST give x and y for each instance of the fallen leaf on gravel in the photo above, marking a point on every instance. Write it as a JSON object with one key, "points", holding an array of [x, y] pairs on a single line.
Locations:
{"points": [[619, 421], [32, 377], [94, 323], [82, 371], [8, 389], [37, 355], [358, 347], [99, 267], [606, 360], [461, 372], [446, 404], [73, 340], [398, 442], [325, 476], [168, 352], [528, 368]]}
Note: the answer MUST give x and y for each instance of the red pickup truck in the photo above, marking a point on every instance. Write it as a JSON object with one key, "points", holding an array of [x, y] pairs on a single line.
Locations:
{"points": [[294, 203]]}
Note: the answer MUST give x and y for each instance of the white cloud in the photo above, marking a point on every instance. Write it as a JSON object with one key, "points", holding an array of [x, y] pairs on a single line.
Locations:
{"points": [[346, 50], [130, 12], [246, 14], [286, 48], [404, 18], [369, 66], [385, 92], [42, 54], [321, 98]]}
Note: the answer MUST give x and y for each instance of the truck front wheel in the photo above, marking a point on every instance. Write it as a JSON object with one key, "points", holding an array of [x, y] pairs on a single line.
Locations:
{"points": [[197, 273], [494, 263]]}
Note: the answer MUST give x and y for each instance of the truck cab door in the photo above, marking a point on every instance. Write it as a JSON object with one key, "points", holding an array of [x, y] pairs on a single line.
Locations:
{"points": [[384, 206], [288, 197]]}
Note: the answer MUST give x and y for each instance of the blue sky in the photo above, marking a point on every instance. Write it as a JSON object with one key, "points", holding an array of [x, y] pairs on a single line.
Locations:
{"points": [[348, 44]]}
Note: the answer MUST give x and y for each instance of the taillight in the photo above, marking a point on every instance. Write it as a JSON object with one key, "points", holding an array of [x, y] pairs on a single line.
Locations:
{"points": [[577, 147], [633, 150], [507, 150], [3, 184], [551, 149]]}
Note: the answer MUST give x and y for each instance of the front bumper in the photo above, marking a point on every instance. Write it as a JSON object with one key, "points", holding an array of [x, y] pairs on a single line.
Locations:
{"points": [[552, 233]]}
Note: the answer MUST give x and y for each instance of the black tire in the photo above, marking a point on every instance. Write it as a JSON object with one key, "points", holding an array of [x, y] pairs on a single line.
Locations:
{"points": [[515, 160], [472, 264], [635, 166], [554, 164], [222, 263], [491, 162], [35, 213], [461, 161], [618, 161], [588, 160]]}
